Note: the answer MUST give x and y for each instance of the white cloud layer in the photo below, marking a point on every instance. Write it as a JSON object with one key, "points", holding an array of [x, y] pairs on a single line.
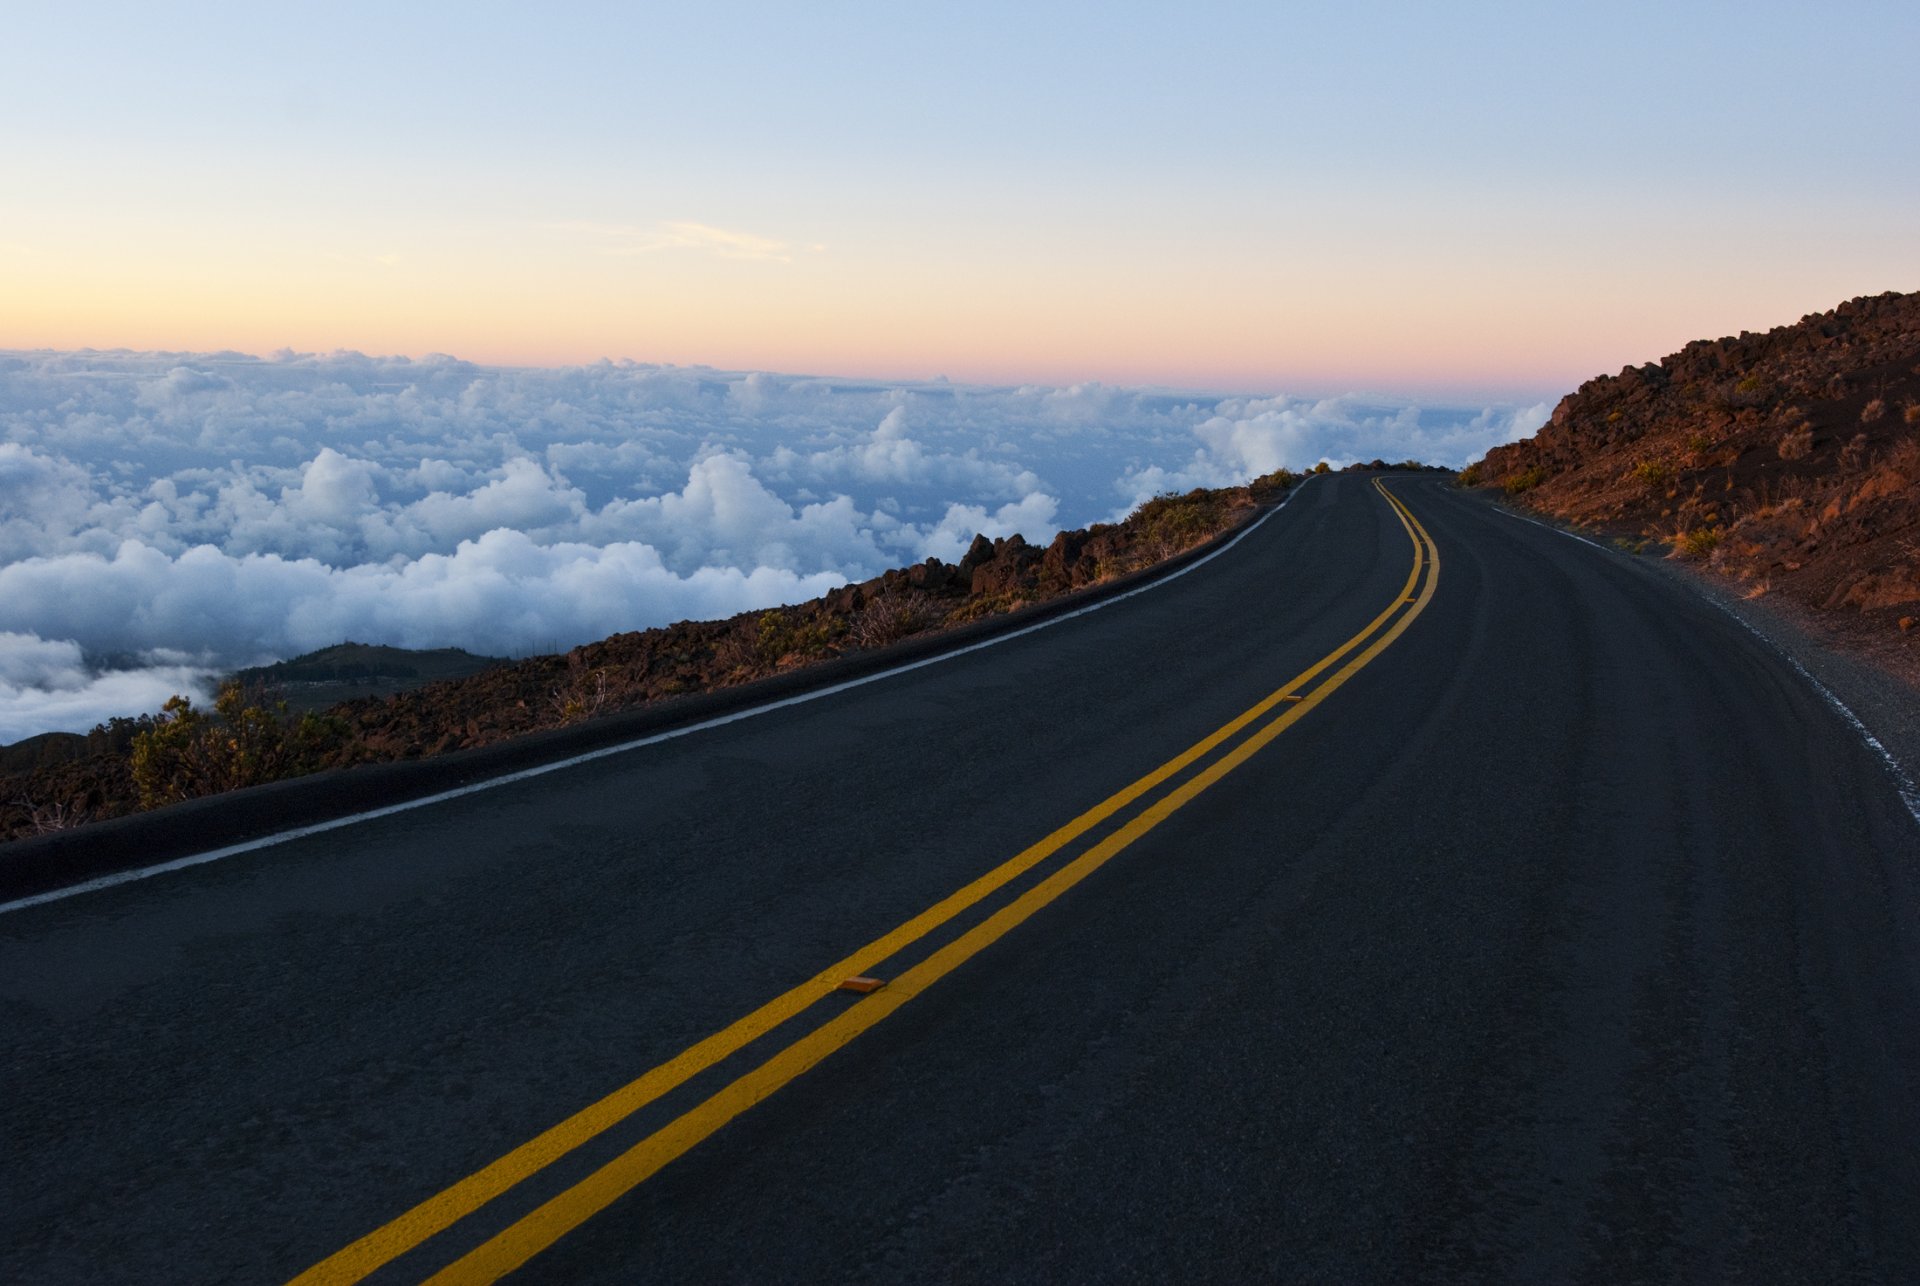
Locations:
{"points": [[46, 684], [164, 515]]}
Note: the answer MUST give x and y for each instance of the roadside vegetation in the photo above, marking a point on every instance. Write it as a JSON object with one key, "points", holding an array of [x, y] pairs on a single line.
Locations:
{"points": [[252, 734], [247, 739]]}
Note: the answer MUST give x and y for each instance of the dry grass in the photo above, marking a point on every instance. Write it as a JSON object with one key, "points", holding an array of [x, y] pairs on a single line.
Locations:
{"points": [[1796, 443], [1853, 456], [1695, 542], [1905, 457], [45, 819], [1873, 410], [888, 618], [582, 694]]}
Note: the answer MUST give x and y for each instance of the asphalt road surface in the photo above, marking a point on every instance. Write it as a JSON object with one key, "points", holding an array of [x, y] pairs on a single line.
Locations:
{"points": [[1535, 923]]}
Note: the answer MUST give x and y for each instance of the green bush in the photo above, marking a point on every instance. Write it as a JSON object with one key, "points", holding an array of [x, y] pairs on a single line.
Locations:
{"points": [[189, 752], [784, 633]]}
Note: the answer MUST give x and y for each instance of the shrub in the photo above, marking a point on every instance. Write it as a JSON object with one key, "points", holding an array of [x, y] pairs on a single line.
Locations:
{"points": [[116, 735], [1740, 395], [1525, 480], [783, 633], [1470, 476], [1653, 474], [44, 818], [1169, 523], [976, 606], [888, 618], [1268, 484], [583, 693], [1796, 443], [1911, 414], [1873, 410], [1696, 542], [188, 752]]}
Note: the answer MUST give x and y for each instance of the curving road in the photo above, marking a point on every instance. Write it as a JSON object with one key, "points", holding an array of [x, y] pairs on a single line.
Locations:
{"points": [[1393, 896]]}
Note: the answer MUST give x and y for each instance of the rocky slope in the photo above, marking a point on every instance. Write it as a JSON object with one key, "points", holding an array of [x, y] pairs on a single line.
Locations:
{"points": [[621, 672], [1789, 461]]}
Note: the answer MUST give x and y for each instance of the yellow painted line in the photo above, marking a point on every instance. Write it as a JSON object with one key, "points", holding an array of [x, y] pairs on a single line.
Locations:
{"points": [[553, 1220], [439, 1212]]}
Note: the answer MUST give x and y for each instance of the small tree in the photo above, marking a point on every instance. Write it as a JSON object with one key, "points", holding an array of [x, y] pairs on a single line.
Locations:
{"points": [[189, 753]]}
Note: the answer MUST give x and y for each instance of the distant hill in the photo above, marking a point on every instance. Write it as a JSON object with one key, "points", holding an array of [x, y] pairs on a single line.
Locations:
{"points": [[43, 751], [348, 671], [1788, 460]]}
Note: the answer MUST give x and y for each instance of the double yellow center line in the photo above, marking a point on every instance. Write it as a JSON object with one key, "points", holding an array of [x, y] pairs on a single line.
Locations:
{"points": [[553, 1219]]}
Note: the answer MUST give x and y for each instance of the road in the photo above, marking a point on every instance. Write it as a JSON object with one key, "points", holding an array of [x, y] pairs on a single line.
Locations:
{"points": [[1428, 897]]}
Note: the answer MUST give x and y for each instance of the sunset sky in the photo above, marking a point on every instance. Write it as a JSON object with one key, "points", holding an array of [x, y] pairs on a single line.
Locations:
{"points": [[1486, 200]]}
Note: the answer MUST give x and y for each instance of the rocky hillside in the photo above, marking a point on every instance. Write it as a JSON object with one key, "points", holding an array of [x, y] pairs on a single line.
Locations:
{"points": [[252, 736], [1788, 460]]}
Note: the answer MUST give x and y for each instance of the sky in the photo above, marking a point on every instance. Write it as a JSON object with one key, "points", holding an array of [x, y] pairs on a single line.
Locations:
{"points": [[1469, 201]]}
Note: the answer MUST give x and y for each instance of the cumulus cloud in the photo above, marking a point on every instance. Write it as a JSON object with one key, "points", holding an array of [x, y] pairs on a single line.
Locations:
{"points": [[1247, 437], [725, 516], [41, 497], [957, 527], [231, 509], [46, 684], [502, 588]]}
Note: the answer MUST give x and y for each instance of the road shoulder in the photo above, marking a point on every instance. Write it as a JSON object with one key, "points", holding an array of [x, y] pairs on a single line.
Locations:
{"points": [[1881, 700]]}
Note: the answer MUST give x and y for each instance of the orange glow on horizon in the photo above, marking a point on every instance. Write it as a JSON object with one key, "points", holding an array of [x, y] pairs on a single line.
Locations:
{"points": [[1400, 330]]}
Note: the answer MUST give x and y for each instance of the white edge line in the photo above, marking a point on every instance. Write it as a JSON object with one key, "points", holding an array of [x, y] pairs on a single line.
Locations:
{"points": [[1903, 784], [524, 774]]}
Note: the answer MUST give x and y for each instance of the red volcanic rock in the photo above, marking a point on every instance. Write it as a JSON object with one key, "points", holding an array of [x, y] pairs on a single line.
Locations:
{"points": [[1789, 459]]}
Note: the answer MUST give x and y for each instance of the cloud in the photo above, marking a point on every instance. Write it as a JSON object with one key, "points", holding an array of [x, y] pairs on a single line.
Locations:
{"points": [[43, 497], [725, 516], [502, 589], [46, 684], [1248, 437], [229, 509], [1032, 518]]}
